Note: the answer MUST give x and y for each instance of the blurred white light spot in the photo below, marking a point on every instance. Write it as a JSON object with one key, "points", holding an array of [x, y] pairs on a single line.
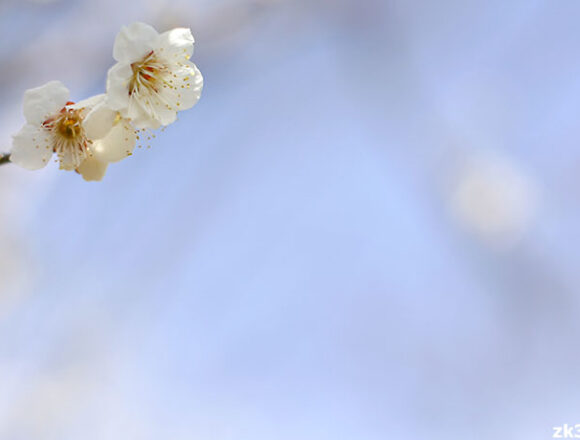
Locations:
{"points": [[494, 200]]}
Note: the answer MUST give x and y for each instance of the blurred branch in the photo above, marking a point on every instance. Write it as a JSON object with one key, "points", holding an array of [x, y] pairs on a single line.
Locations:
{"points": [[4, 158]]}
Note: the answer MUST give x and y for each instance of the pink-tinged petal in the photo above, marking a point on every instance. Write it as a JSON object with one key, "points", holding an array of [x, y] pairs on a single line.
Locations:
{"points": [[92, 169], [117, 145], [42, 102], [175, 43], [133, 42], [118, 80], [31, 147]]}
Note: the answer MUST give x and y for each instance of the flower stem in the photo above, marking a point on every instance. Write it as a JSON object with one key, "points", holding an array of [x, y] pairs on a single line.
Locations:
{"points": [[4, 158]]}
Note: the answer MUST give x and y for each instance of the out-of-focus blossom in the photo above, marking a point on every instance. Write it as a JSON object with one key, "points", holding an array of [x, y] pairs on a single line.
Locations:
{"points": [[153, 78], [85, 136], [494, 200]]}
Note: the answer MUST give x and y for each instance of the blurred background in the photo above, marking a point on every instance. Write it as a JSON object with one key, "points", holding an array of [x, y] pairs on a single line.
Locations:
{"points": [[366, 229]]}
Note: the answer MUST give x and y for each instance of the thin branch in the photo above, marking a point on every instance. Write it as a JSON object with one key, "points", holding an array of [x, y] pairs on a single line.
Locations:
{"points": [[4, 158]]}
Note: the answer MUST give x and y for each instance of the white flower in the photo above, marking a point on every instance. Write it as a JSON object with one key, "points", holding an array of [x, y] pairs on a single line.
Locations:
{"points": [[153, 78], [85, 136]]}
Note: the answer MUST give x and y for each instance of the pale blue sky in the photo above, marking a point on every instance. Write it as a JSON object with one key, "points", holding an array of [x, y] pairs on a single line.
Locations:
{"points": [[285, 262]]}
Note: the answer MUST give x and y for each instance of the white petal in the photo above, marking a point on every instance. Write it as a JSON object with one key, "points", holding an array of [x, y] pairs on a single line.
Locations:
{"points": [[92, 169], [117, 145], [189, 85], [133, 42], [42, 102], [89, 103], [150, 111], [175, 43], [99, 122], [143, 120], [71, 158], [162, 110], [31, 147], [118, 80]]}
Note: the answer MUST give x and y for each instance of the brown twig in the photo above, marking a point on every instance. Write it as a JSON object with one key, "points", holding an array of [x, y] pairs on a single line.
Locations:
{"points": [[4, 158]]}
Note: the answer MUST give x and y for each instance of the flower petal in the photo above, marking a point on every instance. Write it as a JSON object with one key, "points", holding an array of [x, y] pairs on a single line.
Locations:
{"points": [[176, 43], [118, 80], [42, 102], [89, 103], [31, 147], [99, 122], [117, 145], [190, 83], [152, 111], [92, 169], [142, 120], [133, 42]]}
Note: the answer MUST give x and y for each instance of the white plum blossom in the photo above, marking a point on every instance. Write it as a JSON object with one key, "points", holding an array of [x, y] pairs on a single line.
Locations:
{"points": [[85, 136], [153, 78]]}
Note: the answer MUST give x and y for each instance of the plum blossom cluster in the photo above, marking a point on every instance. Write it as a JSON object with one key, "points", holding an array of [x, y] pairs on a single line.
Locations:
{"points": [[152, 80]]}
